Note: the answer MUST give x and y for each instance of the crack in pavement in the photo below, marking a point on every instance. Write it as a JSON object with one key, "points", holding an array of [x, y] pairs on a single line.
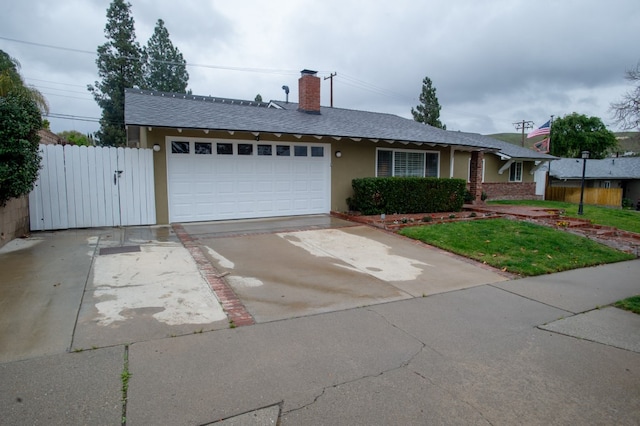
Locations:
{"points": [[454, 396], [493, 285], [403, 364]]}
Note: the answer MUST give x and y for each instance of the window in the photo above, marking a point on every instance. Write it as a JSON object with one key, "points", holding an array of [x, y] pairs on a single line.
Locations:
{"points": [[224, 148], [300, 151], [264, 149], [283, 150], [407, 163], [385, 161], [245, 149], [317, 151], [179, 147], [433, 160], [515, 172], [202, 148]]}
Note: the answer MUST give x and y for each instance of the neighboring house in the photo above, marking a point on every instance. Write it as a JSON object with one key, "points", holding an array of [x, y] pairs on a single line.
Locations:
{"points": [[47, 137], [222, 159], [623, 173], [508, 174]]}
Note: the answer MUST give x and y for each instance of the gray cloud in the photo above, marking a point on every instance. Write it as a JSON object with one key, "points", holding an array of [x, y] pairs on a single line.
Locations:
{"points": [[492, 62]]}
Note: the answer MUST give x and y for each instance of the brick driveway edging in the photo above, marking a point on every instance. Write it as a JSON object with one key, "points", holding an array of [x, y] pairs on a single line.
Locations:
{"points": [[233, 307]]}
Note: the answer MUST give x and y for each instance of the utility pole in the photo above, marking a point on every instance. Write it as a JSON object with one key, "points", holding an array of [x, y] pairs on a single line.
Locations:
{"points": [[523, 125], [331, 85]]}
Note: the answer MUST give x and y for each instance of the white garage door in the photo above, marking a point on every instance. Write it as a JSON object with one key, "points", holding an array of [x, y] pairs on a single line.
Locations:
{"points": [[223, 179]]}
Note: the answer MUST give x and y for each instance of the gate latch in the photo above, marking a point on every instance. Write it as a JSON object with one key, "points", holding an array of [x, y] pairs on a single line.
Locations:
{"points": [[116, 175]]}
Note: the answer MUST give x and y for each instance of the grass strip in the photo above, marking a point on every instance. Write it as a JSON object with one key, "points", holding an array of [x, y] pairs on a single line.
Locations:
{"points": [[626, 220], [518, 247], [631, 304]]}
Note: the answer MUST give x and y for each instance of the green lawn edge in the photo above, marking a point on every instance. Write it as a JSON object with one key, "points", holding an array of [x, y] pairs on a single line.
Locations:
{"points": [[630, 304], [623, 219], [517, 247]]}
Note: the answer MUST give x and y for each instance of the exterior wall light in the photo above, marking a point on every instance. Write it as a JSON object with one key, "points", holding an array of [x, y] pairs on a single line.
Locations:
{"points": [[156, 148], [338, 154]]}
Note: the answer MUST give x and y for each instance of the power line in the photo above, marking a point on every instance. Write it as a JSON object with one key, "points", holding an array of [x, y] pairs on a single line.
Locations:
{"points": [[72, 117], [65, 96], [523, 125], [55, 82], [62, 90], [220, 67]]}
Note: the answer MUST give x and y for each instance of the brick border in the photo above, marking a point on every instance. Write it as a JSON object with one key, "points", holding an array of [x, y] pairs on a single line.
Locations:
{"points": [[233, 307]]}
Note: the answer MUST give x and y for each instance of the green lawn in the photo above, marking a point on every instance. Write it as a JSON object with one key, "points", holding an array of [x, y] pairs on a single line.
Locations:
{"points": [[627, 220], [515, 246]]}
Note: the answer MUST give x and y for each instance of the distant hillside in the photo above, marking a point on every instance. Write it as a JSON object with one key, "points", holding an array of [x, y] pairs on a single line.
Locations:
{"points": [[627, 141]]}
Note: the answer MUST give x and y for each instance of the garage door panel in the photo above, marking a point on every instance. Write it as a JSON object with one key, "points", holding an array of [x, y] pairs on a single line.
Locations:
{"points": [[216, 187]]}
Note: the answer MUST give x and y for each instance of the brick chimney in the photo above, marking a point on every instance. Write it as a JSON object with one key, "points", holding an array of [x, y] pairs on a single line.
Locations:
{"points": [[309, 92]]}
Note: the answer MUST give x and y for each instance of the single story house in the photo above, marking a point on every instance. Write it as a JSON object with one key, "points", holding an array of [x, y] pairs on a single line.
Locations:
{"points": [[218, 159], [623, 173]]}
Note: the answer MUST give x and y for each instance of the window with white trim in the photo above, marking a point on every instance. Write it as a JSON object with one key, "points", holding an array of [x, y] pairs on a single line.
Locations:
{"points": [[403, 163], [515, 172]]}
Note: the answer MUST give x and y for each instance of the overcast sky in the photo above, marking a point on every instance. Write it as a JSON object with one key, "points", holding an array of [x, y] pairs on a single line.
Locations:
{"points": [[493, 62]]}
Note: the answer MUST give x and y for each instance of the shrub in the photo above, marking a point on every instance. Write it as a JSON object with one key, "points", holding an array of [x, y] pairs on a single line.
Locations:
{"points": [[19, 158], [405, 195]]}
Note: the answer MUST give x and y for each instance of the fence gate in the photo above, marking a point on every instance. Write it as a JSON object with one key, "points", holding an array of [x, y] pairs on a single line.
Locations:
{"points": [[85, 187]]}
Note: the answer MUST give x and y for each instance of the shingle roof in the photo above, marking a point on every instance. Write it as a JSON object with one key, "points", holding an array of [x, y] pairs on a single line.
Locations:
{"points": [[156, 109], [510, 150], [609, 168]]}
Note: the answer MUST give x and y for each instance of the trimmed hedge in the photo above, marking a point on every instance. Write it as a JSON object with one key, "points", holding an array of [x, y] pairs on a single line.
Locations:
{"points": [[404, 195]]}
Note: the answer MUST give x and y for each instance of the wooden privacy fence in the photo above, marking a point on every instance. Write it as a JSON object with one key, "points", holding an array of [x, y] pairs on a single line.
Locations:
{"points": [[598, 196], [86, 187]]}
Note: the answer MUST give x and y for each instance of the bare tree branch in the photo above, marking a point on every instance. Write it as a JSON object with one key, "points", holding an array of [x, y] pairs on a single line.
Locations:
{"points": [[626, 112]]}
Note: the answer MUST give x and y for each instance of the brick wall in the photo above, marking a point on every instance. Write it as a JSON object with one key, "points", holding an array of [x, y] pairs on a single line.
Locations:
{"points": [[475, 180], [511, 191], [309, 93], [14, 219]]}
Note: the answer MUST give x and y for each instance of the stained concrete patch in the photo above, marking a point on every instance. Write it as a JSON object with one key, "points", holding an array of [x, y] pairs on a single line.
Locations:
{"points": [[155, 293], [609, 326], [164, 277], [294, 273], [362, 254]]}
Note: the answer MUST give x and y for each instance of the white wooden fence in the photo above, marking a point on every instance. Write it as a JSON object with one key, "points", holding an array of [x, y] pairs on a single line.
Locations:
{"points": [[85, 187]]}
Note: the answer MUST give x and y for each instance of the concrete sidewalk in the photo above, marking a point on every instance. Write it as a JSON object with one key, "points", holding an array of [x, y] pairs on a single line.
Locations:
{"points": [[527, 351]]}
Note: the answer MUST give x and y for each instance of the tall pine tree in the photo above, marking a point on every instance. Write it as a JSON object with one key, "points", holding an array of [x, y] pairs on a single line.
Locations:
{"points": [[120, 66], [164, 67], [428, 112]]}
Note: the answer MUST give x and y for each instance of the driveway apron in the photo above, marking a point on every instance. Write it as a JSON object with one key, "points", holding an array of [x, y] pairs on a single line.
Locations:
{"points": [[328, 266]]}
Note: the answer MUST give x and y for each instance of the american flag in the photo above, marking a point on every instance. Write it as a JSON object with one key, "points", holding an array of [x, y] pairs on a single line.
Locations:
{"points": [[545, 129], [542, 146]]}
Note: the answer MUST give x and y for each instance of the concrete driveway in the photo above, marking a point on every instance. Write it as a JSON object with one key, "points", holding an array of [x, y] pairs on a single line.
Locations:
{"points": [[81, 289], [287, 267]]}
